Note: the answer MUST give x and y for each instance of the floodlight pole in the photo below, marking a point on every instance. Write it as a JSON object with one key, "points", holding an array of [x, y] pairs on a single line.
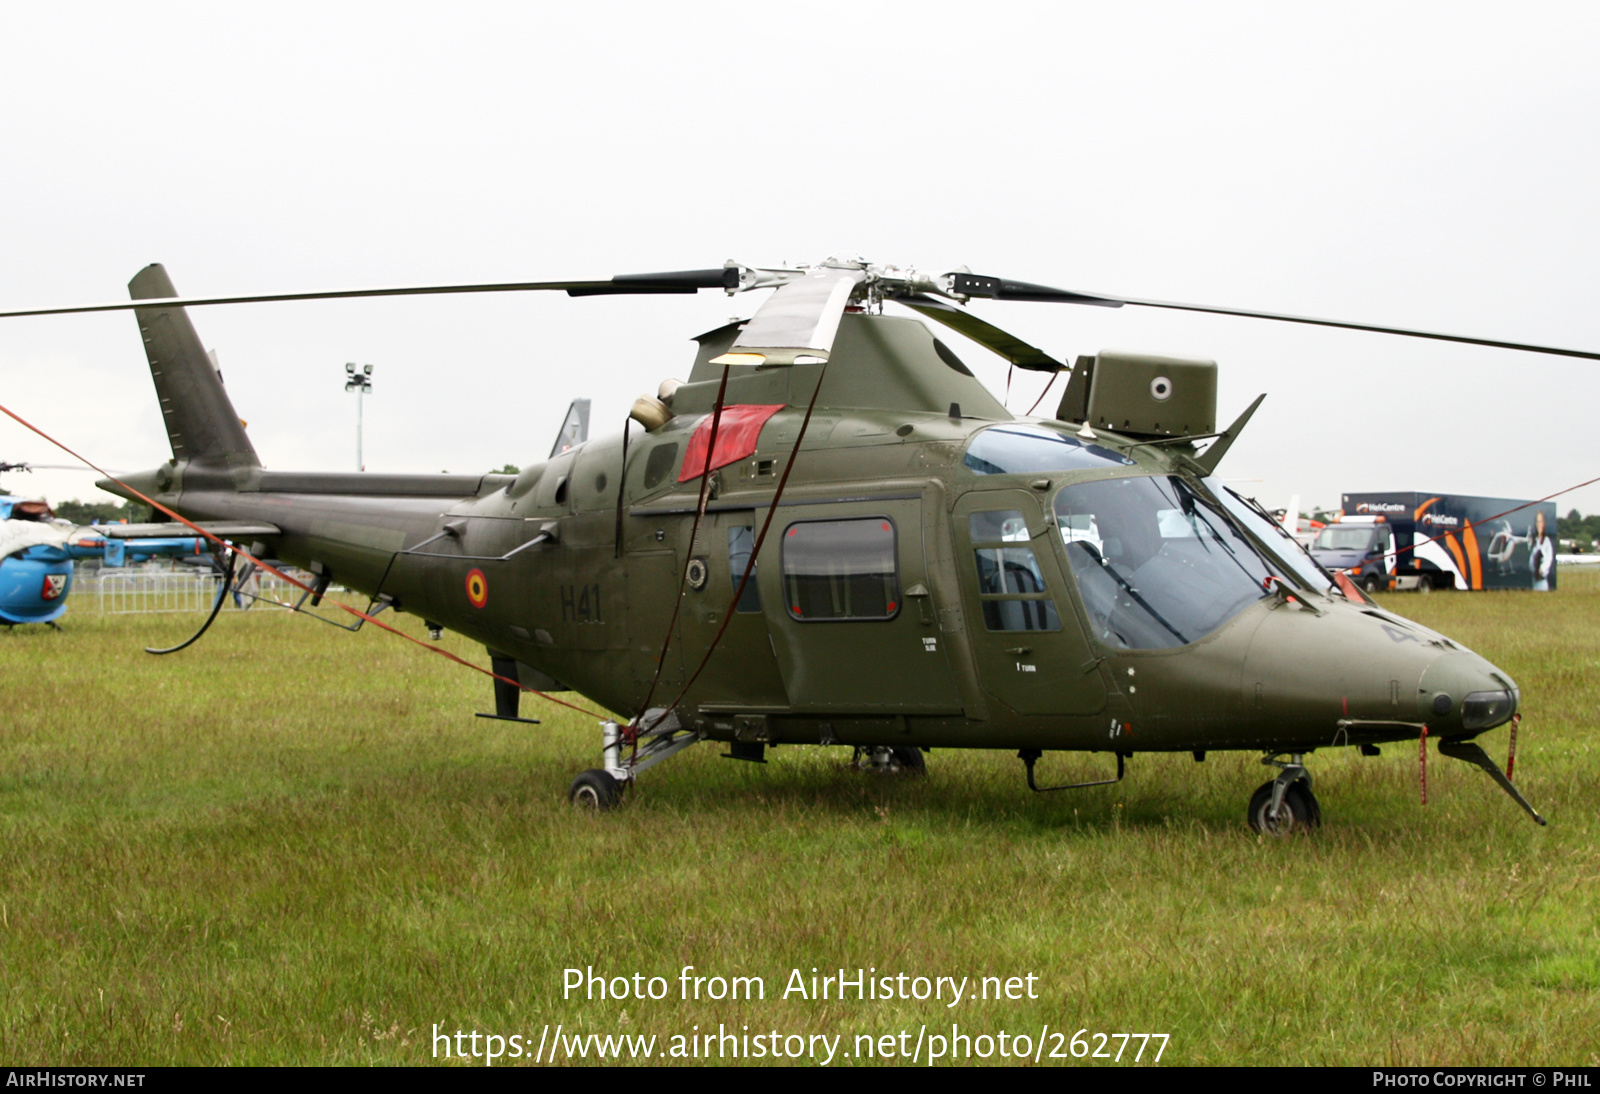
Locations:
{"points": [[360, 382]]}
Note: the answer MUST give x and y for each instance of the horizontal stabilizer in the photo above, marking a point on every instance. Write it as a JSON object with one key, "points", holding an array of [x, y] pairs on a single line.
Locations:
{"points": [[222, 529]]}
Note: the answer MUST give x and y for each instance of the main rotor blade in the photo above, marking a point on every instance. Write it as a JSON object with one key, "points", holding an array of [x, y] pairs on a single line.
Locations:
{"points": [[986, 334], [1404, 332], [999, 289], [681, 281], [688, 281], [798, 322]]}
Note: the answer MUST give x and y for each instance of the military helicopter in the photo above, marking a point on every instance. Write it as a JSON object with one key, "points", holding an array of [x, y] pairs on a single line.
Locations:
{"points": [[939, 572]]}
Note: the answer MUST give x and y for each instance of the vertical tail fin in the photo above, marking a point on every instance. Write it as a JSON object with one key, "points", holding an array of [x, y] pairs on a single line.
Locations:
{"points": [[200, 419], [574, 428]]}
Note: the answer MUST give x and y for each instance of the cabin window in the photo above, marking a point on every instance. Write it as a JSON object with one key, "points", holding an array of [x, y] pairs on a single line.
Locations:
{"points": [[1031, 449], [1010, 583], [741, 541], [841, 569]]}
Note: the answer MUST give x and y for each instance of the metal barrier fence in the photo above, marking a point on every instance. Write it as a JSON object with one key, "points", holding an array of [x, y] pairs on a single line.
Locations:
{"points": [[129, 592], [1578, 575]]}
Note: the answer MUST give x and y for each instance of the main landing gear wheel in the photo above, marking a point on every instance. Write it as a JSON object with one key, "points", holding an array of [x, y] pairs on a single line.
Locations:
{"points": [[596, 790], [911, 760], [890, 760], [1299, 812]]}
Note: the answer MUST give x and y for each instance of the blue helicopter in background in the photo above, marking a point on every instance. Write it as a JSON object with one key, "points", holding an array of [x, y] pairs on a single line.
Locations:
{"points": [[37, 552]]}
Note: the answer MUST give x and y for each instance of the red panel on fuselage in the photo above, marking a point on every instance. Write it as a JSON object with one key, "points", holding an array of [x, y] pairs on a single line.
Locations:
{"points": [[736, 438]]}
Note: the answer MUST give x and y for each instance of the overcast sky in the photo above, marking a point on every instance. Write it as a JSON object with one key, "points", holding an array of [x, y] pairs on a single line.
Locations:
{"points": [[1427, 165]]}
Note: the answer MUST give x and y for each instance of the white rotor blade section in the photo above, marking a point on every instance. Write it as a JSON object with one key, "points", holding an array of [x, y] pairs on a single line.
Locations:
{"points": [[798, 324]]}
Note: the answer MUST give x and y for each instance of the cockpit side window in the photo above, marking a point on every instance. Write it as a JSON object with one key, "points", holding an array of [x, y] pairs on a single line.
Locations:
{"points": [[1010, 584], [31, 510]]}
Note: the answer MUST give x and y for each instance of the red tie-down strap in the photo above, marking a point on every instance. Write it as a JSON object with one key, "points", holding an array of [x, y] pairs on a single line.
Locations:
{"points": [[1422, 763], [736, 439]]}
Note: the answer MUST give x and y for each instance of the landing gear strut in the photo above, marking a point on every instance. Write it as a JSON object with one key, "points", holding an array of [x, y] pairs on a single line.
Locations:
{"points": [[602, 788], [1285, 804]]}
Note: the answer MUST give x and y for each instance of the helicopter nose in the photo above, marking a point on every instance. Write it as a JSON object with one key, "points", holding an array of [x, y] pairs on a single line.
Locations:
{"points": [[1463, 693]]}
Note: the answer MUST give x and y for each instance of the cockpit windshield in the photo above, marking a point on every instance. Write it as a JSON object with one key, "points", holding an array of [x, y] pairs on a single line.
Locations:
{"points": [[1156, 564], [1274, 536]]}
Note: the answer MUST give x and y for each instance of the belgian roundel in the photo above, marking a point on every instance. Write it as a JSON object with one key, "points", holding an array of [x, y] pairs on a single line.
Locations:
{"points": [[477, 588]]}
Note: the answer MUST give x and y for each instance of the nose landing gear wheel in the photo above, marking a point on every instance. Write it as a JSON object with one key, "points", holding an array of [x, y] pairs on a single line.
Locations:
{"points": [[1298, 813], [596, 790]]}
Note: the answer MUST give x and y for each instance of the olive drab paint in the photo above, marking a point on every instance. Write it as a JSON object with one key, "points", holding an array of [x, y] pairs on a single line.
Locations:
{"points": [[938, 574]]}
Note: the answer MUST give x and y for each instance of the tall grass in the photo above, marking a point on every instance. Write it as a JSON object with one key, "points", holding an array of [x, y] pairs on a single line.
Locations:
{"points": [[292, 845]]}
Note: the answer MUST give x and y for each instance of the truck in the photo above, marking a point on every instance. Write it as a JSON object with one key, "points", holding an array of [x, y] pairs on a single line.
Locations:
{"points": [[1421, 541]]}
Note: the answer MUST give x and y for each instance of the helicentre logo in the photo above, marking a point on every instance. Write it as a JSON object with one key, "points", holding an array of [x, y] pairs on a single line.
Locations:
{"points": [[1441, 519], [1379, 507]]}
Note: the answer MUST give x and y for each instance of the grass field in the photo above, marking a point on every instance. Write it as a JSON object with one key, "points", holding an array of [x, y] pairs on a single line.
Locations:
{"points": [[292, 845]]}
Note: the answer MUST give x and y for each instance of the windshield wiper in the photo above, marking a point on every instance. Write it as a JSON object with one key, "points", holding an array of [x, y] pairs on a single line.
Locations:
{"points": [[1130, 590], [1274, 566], [1190, 502]]}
